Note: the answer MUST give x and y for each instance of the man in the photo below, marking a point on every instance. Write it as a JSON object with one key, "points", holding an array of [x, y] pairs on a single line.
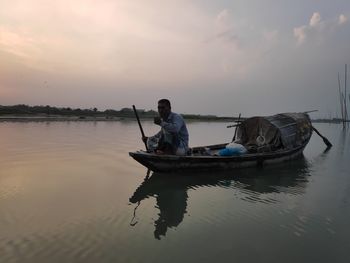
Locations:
{"points": [[173, 136]]}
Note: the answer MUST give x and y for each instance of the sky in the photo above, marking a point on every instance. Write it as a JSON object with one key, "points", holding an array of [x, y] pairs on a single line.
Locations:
{"points": [[223, 57]]}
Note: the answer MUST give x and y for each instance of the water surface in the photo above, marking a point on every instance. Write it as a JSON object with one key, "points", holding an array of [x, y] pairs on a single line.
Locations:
{"points": [[69, 192]]}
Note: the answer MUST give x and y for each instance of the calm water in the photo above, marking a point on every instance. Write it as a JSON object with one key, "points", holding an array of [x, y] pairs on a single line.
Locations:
{"points": [[69, 192]]}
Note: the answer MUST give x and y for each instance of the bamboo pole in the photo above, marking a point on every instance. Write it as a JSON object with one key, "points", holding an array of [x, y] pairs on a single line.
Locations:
{"points": [[345, 106], [234, 136], [340, 99]]}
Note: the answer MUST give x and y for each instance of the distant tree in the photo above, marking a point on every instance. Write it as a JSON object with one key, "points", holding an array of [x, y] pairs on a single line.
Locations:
{"points": [[126, 110]]}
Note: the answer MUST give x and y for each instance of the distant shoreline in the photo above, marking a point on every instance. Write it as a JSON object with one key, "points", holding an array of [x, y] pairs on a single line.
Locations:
{"points": [[97, 118], [14, 118], [25, 113]]}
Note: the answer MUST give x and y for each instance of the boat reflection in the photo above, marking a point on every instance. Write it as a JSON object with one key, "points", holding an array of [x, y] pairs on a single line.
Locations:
{"points": [[171, 190]]}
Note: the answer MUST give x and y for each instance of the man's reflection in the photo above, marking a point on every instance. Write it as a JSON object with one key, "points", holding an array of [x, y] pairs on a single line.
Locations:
{"points": [[170, 190], [172, 205], [171, 201]]}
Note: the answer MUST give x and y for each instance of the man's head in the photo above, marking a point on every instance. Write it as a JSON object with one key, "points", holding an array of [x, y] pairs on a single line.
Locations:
{"points": [[164, 108]]}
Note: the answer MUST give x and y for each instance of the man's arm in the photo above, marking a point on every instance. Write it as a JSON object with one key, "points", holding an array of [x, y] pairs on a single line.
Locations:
{"points": [[173, 126], [157, 135]]}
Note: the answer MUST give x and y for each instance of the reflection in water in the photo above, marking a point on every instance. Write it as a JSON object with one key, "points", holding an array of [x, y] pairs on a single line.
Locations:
{"points": [[342, 140], [171, 200], [289, 177], [170, 190]]}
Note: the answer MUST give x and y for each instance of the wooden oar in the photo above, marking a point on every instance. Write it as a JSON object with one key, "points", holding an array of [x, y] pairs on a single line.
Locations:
{"points": [[325, 140], [138, 120], [234, 136]]}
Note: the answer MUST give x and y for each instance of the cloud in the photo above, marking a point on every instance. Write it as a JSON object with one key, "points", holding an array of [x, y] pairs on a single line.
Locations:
{"points": [[229, 36], [225, 30], [14, 43], [223, 19], [104, 37], [300, 34], [342, 19], [270, 36], [315, 19], [317, 28]]}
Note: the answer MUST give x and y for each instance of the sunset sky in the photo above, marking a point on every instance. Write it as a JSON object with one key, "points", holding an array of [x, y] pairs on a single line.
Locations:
{"points": [[209, 57]]}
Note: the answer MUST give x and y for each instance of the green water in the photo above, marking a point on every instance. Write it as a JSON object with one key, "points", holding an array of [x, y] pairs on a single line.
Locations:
{"points": [[69, 192]]}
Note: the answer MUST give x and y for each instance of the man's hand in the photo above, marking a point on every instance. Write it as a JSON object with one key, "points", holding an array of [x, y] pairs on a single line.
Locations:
{"points": [[157, 120], [144, 139]]}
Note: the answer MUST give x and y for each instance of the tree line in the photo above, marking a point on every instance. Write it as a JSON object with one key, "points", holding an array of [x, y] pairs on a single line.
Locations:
{"points": [[22, 109], [26, 110]]}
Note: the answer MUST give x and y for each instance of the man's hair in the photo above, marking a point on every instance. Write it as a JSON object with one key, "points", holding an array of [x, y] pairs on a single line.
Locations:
{"points": [[165, 101]]}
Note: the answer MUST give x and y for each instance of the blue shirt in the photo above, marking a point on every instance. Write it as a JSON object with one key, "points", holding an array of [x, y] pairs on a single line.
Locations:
{"points": [[175, 125]]}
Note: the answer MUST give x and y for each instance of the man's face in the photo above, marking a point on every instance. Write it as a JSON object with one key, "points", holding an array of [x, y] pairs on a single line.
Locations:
{"points": [[163, 110]]}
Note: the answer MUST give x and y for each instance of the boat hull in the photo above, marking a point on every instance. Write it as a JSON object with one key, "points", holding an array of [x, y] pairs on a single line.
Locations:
{"points": [[173, 163]]}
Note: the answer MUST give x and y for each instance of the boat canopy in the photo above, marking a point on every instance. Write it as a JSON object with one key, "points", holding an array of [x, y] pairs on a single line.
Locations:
{"points": [[285, 130]]}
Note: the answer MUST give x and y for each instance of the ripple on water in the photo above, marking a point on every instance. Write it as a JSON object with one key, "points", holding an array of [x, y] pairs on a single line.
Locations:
{"points": [[79, 239], [10, 186]]}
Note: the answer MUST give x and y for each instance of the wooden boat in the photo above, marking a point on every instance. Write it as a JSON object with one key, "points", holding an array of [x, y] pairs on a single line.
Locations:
{"points": [[268, 140]]}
